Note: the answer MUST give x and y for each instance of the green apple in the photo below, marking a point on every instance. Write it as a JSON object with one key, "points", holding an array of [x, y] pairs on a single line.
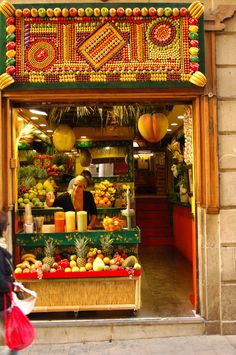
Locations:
{"points": [[42, 12], [89, 11], [104, 11], [167, 11]]}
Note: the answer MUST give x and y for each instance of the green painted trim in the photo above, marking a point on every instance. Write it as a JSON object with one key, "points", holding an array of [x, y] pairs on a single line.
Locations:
{"points": [[67, 239]]}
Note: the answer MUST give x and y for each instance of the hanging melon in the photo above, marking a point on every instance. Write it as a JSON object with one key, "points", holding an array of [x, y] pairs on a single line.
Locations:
{"points": [[153, 127], [63, 138], [85, 158]]}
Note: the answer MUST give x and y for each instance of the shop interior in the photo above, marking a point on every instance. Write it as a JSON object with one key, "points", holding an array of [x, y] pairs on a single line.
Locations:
{"points": [[162, 183]]}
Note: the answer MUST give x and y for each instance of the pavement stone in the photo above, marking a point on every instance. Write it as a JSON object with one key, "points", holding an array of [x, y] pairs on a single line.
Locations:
{"points": [[189, 345]]}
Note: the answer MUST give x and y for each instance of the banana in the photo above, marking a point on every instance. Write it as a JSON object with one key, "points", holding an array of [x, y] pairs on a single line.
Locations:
{"points": [[28, 255], [24, 264], [4, 11], [196, 81], [199, 13], [200, 76], [7, 8], [11, 8], [6, 82], [3, 86], [193, 6], [30, 259]]}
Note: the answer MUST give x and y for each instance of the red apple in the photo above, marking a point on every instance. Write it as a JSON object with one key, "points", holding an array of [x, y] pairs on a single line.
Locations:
{"points": [[11, 70], [10, 45], [152, 11], [192, 21], [73, 12], [183, 11], [10, 21], [136, 11], [120, 11], [55, 265], [26, 12]]}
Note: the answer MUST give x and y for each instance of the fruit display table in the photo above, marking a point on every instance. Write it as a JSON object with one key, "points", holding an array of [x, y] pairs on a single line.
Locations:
{"points": [[83, 291]]}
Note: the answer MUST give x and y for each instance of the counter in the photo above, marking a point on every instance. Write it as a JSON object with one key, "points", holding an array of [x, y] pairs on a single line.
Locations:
{"points": [[84, 291]]}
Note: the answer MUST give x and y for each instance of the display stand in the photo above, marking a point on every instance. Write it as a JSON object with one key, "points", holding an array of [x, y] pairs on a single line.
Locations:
{"points": [[84, 291]]}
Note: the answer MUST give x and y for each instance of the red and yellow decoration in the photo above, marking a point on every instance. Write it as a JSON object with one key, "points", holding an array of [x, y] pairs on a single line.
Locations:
{"points": [[103, 45]]}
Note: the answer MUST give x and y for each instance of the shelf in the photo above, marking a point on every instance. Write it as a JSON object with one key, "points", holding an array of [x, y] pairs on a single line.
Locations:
{"points": [[40, 211], [124, 236], [77, 275]]}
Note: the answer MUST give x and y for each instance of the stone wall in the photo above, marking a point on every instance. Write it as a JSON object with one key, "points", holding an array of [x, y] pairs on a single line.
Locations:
{"points": [[226, 93]]}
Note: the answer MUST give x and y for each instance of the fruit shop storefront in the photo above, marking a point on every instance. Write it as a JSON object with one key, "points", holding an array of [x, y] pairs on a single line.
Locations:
{"points": [[99, 76]]}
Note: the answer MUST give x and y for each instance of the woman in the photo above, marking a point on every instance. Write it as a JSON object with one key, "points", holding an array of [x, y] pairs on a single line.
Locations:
{"points": [[88, 176], [77, 199], [5, 271]]}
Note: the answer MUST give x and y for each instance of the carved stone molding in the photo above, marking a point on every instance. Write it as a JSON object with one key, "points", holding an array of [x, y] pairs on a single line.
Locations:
{"points": [[213, 20]]}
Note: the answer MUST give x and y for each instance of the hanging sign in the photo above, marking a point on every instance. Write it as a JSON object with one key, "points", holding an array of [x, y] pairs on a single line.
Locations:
{"points": [[89, 45]]}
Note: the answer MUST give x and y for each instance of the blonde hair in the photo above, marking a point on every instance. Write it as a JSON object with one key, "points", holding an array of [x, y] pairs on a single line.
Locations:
{"points": [[81, 179]]}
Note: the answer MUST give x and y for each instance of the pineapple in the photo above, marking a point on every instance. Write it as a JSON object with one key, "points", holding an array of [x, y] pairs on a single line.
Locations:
{"points": [[106, 245], [81, 246], [49, 251]]}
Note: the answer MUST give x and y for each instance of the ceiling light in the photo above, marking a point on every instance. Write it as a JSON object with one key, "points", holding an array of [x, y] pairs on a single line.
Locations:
{"points": [[49, 130], [83, 137], [180, 117], [135, 144], [42, 125], [169, 130], [107, 148], [37, 112], [174, 124], [34, 118]]}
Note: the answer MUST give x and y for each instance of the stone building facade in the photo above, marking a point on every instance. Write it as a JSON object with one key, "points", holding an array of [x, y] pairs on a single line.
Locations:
{"points": [[216, 236]]}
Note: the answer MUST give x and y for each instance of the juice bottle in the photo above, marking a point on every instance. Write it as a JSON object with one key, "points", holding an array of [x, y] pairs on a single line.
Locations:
{"points": [[59, 220]]}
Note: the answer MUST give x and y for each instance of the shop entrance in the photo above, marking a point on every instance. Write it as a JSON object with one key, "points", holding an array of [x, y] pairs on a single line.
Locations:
{"points": [[167, 250]]}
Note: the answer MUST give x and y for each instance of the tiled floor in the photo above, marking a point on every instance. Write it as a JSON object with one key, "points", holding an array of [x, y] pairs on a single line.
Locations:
{"points": [[166, 283], [165, 292]]}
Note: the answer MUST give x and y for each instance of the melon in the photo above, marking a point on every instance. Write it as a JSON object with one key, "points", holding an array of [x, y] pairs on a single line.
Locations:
{"points": [[85, 158], [130, 261], [63, 138], [153, 127]]}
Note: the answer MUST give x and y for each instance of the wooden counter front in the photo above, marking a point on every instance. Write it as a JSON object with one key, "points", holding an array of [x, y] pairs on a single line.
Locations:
{"points": [[86, 293]]}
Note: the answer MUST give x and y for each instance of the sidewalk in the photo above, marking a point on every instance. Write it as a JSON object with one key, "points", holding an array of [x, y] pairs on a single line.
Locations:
{"points": [[190, 345]]}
